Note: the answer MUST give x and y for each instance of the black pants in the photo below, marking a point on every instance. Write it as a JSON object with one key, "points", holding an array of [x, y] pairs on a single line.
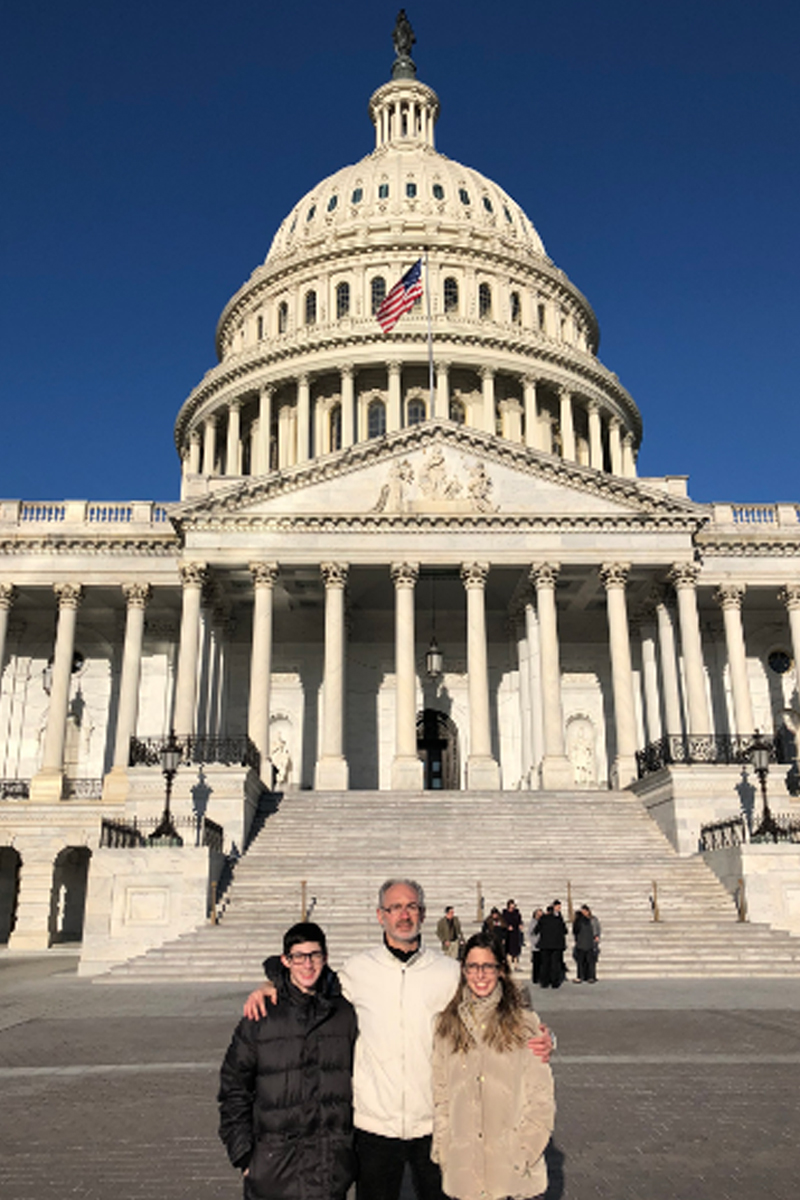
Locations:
{"points": [[381, 1161], [584, 960], [537, 965], [551, 973]]}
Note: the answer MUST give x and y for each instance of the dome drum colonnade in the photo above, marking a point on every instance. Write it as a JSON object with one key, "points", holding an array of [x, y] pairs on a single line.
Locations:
{"points": [[513, 341]]}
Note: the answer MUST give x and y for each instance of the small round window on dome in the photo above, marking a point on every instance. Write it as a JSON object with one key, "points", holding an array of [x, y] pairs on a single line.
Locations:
{"points": [[357, 196], [509, 218], [487, 204], [779, 662], [438, 192], [383, 191], [411, 190], [334, 200], [311, 212], [463, 195]]}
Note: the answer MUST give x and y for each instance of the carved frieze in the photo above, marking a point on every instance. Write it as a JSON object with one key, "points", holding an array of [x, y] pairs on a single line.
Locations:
{"points": [[436, 487]]}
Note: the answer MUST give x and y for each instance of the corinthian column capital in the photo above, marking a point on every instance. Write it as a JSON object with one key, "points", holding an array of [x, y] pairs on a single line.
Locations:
{"points": [[193, 574], [334, 574], [790, 596], [684, 575], [8, 594], [730, 595], [264, 573], [404, 574], [69, 595], [544, 575], [474, 574], [137, 594], [614, 574]]}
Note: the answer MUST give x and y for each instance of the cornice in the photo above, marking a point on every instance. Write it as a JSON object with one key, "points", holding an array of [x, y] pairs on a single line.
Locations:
{"points": [[151, 547], [742, 547]]}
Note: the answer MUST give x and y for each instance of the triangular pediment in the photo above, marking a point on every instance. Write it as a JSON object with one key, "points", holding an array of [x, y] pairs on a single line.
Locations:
{"points": [[435, 470]]}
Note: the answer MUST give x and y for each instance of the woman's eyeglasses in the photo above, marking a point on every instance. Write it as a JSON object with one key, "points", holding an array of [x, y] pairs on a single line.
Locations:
{"points": [[481, 968]]}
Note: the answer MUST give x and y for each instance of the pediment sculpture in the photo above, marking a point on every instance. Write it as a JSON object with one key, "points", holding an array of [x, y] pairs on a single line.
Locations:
{"points": [[435, 488]]}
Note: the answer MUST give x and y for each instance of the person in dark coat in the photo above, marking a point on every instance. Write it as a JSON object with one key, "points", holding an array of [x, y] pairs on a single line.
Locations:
{"points": [[583, 934], [552, 944], [533, 938], [285, 1095], [494, 926], [512, 920]]}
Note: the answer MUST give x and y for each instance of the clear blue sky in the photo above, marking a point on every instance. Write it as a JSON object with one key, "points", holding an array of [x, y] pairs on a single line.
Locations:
{"points": [[150, 150]]}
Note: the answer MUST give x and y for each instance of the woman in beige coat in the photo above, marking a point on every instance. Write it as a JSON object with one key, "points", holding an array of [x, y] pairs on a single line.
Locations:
{"points": [[493, 1099]]}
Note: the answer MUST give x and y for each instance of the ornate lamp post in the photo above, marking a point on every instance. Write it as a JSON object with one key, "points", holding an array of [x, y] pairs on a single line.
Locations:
{"points": [[434, 659], [170, 756], [759, 756]]}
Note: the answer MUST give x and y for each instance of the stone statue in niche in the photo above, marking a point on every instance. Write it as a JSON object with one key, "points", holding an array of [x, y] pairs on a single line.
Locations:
{"points": [[580, 749], [281, 761]]}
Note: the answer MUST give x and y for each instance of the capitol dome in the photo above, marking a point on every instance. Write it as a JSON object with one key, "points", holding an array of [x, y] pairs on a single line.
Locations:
{"points": [[501, 341]]}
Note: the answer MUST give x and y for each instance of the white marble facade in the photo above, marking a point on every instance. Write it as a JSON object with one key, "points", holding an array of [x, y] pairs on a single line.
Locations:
{"points": [[344, 500]]}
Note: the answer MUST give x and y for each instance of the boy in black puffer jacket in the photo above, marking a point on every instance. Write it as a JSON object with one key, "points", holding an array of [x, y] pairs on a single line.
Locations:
{"points": [[285, 1094]]}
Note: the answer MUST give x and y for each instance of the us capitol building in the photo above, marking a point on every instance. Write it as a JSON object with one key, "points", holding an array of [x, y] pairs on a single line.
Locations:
{"points": [[401, 561]]}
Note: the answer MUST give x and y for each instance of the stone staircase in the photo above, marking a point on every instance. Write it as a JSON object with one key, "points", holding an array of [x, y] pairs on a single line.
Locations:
{"points": [[531, 846]]}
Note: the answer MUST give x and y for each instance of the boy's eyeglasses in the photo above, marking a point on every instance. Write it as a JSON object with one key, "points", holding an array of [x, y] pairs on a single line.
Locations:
{"points": [[297, 957]]}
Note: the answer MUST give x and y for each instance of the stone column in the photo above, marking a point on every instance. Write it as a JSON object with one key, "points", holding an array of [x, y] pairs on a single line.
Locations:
{"points": [[442, 391], [520, 633], [332, 774], [614, 577], [556, 767], [615, 445], [233, 450], [347, 390], [303, 417], [669, 667], [628, 457], [790, 596], [482, 770], [566, 424], [193, 577], [683, 576], [8, 594], [48, 783], [535, 669], [394, 397], [115, 784], [729, 597], [532, 438], [487, 381], [194, 452], [595, 436], [407, 772], [262, 463], [264, 575], [652, 705], [209, 444]]}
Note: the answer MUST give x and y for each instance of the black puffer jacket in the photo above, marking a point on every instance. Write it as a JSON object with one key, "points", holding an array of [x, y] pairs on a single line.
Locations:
{"points": [[286, 1097]]}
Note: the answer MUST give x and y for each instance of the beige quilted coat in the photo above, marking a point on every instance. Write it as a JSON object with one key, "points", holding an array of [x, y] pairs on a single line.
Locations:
{"points": [[493, 1116]]}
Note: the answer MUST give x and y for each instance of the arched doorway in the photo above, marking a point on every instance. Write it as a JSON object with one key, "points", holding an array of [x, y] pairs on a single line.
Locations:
{"points": [[10, 865], [68, 895], [437, 746]]}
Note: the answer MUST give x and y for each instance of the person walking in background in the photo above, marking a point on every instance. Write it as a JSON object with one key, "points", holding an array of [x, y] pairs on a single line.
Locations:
{"points": [[512, 922], [494, 1106], [494, 926], [584, 946], [552, 943], [533, 938], [596, 935], [285, 1094], [448, 931]]}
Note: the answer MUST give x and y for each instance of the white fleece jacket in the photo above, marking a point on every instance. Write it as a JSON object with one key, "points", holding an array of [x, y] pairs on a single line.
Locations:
{"points": [[397, 1004]]}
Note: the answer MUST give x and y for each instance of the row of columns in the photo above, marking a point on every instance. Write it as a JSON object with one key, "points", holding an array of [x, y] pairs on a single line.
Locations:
{"points": [[542, 742], [294, 436]]}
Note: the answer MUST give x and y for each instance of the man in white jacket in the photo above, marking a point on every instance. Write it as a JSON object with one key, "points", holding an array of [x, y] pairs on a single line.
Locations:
{"points": [[397, 989]]}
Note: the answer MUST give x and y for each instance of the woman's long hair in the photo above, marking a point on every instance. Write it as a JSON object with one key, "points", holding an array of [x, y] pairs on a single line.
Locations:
{"points": [[505, 1029]]}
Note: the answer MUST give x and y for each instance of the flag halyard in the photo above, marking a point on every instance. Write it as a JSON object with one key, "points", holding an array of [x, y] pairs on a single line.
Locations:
{"points": [[401, 298]]}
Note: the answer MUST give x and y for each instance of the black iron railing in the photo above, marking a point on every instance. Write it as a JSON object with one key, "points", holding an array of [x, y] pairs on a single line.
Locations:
{"points": [[15, 789], [720, 835], [691, 748], [119, 835], [197, 751]]}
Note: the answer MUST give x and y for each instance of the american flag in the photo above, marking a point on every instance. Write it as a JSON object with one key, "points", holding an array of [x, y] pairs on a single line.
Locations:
{"points": [[401, 298]]}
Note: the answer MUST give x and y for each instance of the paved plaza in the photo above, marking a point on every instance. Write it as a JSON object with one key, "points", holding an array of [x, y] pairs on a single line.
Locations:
{"points": [[681, 1090]]}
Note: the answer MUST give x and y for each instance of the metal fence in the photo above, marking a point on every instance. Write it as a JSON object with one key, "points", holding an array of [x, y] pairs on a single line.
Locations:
{"points": [[15, 789], [735, 831], [119, 835], [688, 748], [197, 751]]}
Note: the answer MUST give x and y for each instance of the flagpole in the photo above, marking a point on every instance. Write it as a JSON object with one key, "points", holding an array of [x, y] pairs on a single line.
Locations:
{"points": [[430, 334]]}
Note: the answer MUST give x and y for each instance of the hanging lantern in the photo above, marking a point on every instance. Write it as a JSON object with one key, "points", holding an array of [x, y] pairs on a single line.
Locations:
{"points": [[434, 659]]}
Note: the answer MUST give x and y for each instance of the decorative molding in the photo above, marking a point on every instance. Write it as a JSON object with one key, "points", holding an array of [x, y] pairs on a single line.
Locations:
{"points": [[137, 595], [69, 595], [474, 574], [614, 575], [404, 574], [730, 596], [334, 574], [264, 573], [544, 575]]}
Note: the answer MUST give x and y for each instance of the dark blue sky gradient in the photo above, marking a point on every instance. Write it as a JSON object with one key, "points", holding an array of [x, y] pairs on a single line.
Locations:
{"points": [[150, 150]]}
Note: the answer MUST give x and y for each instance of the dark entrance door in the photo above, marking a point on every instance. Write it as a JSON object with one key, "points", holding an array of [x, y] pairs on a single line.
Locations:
{"points": [[437, 746]]}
